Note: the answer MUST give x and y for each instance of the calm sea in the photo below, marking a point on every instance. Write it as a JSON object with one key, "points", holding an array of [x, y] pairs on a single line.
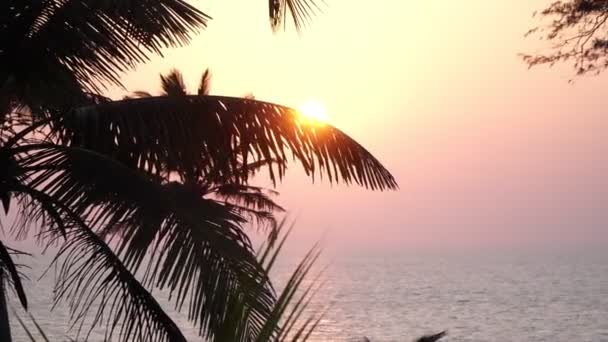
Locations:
{"points": [[544, 297]]}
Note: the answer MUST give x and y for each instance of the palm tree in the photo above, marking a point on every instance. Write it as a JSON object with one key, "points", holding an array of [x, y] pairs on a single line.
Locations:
{"points": [[288, 321], [145, 193], [249, 201]]}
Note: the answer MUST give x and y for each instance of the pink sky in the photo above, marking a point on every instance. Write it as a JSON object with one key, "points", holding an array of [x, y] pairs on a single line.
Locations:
{"points": [[487, 152]]}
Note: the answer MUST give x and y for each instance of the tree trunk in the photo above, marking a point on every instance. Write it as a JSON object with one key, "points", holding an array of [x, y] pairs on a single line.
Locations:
{"points": [[5, 329]]}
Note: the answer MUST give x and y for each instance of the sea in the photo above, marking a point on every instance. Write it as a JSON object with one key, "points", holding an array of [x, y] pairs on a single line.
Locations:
{"points": [[485, 296]]}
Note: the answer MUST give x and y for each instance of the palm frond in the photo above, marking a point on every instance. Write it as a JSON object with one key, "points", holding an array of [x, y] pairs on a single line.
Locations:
{"points": [[202, 262], [238, 173], [178, 134], [290, 307], [92, 276], [38, 327], [254, 203], [9, 174], [8, 267], [36, 208], [24, 327], [285, 322], [248, 196], [205, 86], [300, 11], [96, 40], [197, 247], [173, 84], [29, 334]]}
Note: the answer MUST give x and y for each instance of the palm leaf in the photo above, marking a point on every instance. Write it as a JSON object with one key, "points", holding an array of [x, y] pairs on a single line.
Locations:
{"points": [[91, 275], [300, 11], [52, 46], [40, 330], [8, 266], [27, 330], [173, 84], [278, 327], [87, 257], [197, 245], [249, 196], [95, 39], [285, 321], [201, 264], [24, 327], [180, 134], [205, 86], [249, 201], [36, 208]]}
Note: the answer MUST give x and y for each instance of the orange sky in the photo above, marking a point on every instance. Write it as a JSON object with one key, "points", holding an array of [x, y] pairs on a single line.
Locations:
{"points": [[487, 153]]}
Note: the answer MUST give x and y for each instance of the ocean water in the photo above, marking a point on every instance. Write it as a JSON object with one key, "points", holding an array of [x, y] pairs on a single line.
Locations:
{"points": [[532, 297]]}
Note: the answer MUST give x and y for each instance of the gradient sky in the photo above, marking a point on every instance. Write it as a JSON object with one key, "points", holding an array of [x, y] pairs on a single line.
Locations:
{"points": [[487, 153]]}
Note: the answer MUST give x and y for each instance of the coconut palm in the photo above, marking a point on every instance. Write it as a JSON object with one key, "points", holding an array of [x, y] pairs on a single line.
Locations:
{"points": [[52, 47], [289, 320], [150, 192]]}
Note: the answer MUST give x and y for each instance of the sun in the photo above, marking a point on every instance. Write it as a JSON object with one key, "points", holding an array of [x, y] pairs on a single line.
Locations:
{"points": [[313, 112]]}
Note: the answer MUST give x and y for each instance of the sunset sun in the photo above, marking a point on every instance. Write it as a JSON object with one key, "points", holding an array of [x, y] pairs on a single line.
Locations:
{"points": [[313, 112]]}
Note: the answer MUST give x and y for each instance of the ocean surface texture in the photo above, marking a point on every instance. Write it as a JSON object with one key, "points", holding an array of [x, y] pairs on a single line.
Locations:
{"points": [[529, 297]]}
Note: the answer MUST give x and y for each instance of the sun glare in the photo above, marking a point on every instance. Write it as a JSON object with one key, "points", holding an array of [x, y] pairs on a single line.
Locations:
{"points": [[313, 112]]}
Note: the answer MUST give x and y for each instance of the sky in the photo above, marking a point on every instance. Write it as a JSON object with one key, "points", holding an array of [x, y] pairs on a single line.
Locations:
{"points": [[487, 153]]}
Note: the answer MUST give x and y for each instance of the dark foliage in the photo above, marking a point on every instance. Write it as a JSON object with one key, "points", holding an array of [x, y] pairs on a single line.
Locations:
{"points": [[8, 268], [197, 247], [169, 134], [578, 31], [147, 192]]}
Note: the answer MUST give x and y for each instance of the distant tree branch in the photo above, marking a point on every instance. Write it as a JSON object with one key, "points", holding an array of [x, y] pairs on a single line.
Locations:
{"points": [[579, 32]]}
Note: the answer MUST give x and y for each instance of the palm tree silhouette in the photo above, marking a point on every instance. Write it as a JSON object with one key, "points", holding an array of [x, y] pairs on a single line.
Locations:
{"points": [[250, 201], [165, 178]]}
